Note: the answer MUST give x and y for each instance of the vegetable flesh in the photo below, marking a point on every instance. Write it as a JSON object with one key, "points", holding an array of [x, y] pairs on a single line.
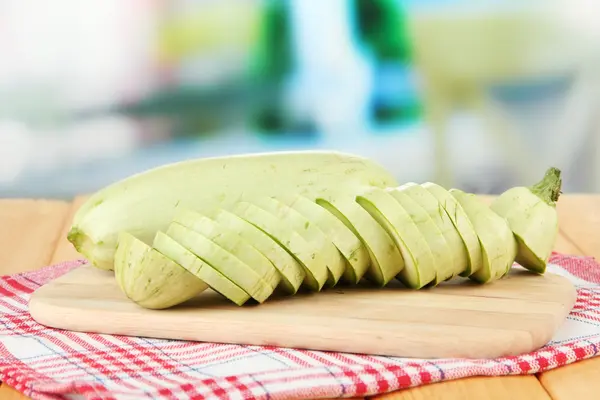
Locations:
{"points": [[305, 253], [149, 278], [199, 269], [292, 273], [349, 245], [457, 257], [462, 223], [233, 243], [498, 244], [406, 216], [311, 232], [221, 260], [418, 269], [433, 238], [386, 260]]}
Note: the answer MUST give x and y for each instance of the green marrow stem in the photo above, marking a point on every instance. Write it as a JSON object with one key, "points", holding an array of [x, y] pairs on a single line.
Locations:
{"points": [[549, 188]]}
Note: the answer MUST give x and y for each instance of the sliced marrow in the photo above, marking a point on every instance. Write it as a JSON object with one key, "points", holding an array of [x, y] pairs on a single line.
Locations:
{"points": [[232, 242], [188, 260], [463, 225], [386, 260], [348, 244], [221, 260], [458, 261], [304, 252], [310, 231], [292, 273], [419, 267], [498, 244], [151, 279]]}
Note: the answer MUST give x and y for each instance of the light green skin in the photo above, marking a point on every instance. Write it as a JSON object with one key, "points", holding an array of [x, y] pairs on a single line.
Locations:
{"points": [[534, 224], [291, 271], [204, 272], [419, 266], [386, 259], [221, 260], [151, 279], [463, 225], [349, 245], [145, 203], [498, 244], [457, 261], [330, 255], [231, 242], [304, 252]]}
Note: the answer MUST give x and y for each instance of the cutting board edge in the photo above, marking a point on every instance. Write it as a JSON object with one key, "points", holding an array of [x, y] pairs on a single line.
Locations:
{"points": [[449, 352], [40, 310]]}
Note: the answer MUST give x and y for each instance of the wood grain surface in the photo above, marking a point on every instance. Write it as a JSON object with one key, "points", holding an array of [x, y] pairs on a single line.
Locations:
{"points": [[29, 231], [43, 222], [476, 388]]}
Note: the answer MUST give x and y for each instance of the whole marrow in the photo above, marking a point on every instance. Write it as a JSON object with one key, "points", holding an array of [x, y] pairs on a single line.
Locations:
{"points": [[252, 226]]}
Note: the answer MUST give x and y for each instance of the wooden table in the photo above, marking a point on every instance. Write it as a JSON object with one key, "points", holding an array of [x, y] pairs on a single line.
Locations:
{"points": [[32, 235]]}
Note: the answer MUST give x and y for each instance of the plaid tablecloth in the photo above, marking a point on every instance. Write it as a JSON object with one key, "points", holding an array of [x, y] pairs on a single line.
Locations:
{"points": [[48, 363]]}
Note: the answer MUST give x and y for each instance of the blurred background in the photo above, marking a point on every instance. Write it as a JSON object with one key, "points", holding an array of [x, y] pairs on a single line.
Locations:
{"points": [[480, 95]]}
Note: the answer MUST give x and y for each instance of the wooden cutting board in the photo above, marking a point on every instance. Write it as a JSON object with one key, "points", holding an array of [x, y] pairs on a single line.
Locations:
{"points": [[456, 319]]}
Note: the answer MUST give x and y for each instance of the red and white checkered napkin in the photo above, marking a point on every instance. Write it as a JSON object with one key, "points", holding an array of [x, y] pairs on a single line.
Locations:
{"points": [[48, 363]]}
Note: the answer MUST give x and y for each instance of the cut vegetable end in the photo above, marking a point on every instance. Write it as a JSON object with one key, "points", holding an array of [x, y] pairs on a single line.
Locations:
{"points": [[199, 269], [406, 271], [332, 209], [149, 278], [233, 243], [360, 270], [309, 229], [445, 242], [349, 275], [375, 274], [309, 282], [221, 260], [351, 250], [358, 260], [527, 259], [498, 244], [483, 275], [251, 214], [331, 280], [549, 188], [292, 273]]}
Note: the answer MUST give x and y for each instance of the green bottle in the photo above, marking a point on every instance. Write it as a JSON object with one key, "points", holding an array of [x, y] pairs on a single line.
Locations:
{"points": [[271, 64], [381, 26]]}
